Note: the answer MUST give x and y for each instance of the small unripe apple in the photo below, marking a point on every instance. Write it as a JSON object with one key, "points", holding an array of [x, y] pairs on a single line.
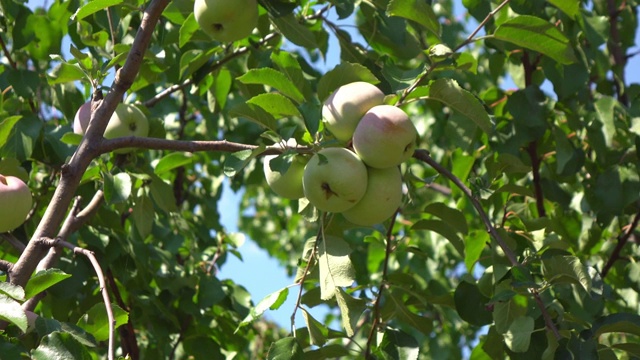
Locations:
{"points": [[127, 120], [334, 179], [345, 107], [15, 202], [288, 184], [381, 200], [226, 20], [385, 137], [81, 119]]}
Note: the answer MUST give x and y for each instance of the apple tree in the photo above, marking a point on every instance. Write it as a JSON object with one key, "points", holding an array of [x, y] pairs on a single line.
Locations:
{"points": [[500, 221]]}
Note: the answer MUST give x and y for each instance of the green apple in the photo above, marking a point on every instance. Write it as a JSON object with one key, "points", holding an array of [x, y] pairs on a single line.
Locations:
{"points": [[289, 183], [334, 179], [385, 137], [127, 120], [381, 200], [82, 117], [342, 111], [226, 20], [15, 202]]}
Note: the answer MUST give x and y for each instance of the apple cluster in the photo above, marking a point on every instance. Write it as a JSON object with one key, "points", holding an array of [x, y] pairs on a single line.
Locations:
{"points": [[226, 20], [127, 120], [15, 202], [360, 179]]}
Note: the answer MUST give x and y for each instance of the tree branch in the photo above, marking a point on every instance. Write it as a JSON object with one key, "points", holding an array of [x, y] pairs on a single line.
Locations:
{"points": [[383, 285], [87, 150], [213, 67], [424, 156], [5, 265], [13, 241], [617, 55], [622, 241]]}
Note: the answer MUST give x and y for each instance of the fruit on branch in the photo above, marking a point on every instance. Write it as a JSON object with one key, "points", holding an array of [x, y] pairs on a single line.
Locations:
{"points": [[287, 184], [15, 202], [82, 117], [226, 20], [385, 137], [127, 120], [334, 180], [345, 107], [381, 200]]}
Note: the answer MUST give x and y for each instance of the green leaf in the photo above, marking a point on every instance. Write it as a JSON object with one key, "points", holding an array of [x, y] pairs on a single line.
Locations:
{"points": [[294, 31], [187, 29], [317, 332], [451, 94], [334, 265], [342, 74], [473, 247], [518, 337], [395, 308], [254, 113], [566, 269], [285, 349], [14, 291], [605, 108], [275, 79], [65, 72], [6, 126], [505, 311], [117, 188], [616, 323], [45, 326], [569, 7], [536, 34], [172, 161], [162, 194], [397, 344], [453, 217], [275, 104], [42, 280], [443, 229], [629, 348], [471, 304], [416, 10], [11, 311], [93, 7], [143, 215], [351, 309], [272, 301], [96, 322], [238, 160], [60, 346], [71, 138], [290, 66]]}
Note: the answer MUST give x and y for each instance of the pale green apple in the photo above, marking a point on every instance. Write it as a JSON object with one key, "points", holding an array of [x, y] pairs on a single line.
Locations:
{"points": [[334, 179], [385, 137], [345, 107], [381, 200], [226, 20], [15, 202], [287, 184], [127, 120], [82, 117]]}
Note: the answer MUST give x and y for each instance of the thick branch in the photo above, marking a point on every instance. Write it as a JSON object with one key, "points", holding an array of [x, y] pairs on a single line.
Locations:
{"points": [[87, 150]]}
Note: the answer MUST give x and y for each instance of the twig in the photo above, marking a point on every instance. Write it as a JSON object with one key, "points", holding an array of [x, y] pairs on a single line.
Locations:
{"points": [[13, 241], [188, 146], [617, 55], [216, 65], [423, 155], [469, 40], [622, 241], [5, 265], [383, 285]]}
